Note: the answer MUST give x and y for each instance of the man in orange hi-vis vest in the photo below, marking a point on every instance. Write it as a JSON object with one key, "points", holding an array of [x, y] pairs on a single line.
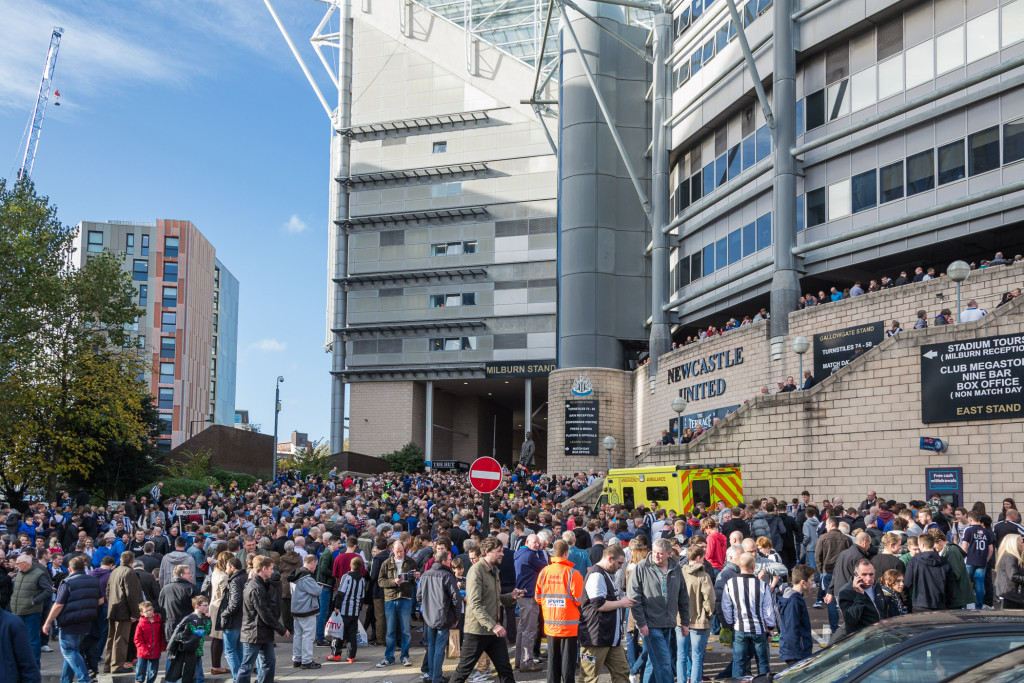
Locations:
{"points": [[559, 591]]}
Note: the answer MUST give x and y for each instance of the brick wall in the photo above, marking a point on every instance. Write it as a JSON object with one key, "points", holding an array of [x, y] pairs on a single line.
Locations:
{"points": [[860, 429], [384, 416], [614, 390]]}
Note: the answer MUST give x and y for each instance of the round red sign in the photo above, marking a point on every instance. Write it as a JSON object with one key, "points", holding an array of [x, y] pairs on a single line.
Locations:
{"points": [[485, 475]]}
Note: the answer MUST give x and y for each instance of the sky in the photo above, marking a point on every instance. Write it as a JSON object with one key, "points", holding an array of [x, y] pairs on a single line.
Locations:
{"points": [[194, 110]]}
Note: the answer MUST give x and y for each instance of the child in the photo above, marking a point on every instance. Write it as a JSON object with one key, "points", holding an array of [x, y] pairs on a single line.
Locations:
{"points": [[185, 648], [794, 620], [347, 602], [149, 643]]}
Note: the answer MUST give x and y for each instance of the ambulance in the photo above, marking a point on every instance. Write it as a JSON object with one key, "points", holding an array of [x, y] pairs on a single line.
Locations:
{"points": [[678, 487]]}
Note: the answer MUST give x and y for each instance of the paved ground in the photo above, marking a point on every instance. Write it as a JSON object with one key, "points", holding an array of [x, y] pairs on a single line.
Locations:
{"points": [[364, 669]]}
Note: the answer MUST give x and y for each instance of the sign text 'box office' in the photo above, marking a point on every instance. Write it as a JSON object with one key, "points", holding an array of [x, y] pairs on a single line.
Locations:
{"points": [[977, 379], [581, 427]]}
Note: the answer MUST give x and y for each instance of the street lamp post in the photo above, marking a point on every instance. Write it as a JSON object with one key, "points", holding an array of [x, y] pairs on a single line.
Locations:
{"points": [[958, 272], [609, 445], [679, 407], [277, 409], [800, 346]]}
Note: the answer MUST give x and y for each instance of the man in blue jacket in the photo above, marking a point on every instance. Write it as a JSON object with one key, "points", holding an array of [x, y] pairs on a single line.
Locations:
{"points": [[529, 561], [17, 665], [74, 610]]}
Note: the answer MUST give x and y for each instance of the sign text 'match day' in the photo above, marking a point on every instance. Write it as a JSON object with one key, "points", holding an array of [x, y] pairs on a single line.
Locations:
{"points": [[699, 367]]}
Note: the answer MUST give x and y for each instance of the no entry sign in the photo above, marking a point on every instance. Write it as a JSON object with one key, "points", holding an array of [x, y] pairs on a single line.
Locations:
{"points": [[485, 475]]}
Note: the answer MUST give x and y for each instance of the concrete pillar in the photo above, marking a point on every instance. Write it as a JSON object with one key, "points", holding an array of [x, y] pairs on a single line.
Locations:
{"points": [[661, 336], [428, 422], [528, 405]]}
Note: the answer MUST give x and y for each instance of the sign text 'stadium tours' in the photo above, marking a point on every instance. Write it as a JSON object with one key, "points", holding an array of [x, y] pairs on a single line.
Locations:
{"points": [[977, 379], [837, 349]]}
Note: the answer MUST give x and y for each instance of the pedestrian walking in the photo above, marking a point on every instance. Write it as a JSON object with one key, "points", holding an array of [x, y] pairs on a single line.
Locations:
{"points": [[185, 646], [658, 591], [700, 591], [795, 642], [530, 560], [747, 607], [861, 600], [32, 588], [124, 593], [74, 612], [483, 632], [305, 606], [397, 577], [439, 596], [229, 615], [559, 591], [149, 643], [16, 662], [601, 612], [259, 623], [347, 602]]}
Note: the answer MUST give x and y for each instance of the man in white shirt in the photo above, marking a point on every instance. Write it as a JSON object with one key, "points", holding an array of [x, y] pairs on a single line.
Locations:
{"points": [[972, 312]]}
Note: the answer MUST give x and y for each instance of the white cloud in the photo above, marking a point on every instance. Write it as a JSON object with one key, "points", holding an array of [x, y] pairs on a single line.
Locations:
{"points": [[295, 224], [269, 344]]}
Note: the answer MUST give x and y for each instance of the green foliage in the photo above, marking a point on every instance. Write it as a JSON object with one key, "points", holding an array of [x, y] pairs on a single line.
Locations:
{"points": [[312, 459], [408, 458], [195, 466], [69, 385], [225, 478]]}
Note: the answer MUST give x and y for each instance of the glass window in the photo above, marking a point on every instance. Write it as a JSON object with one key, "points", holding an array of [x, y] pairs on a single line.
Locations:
{"points": [[891, 180], [95, 242], [145, 245], [171, 247], [682, 73], [437, 300], [1013, 22], [735, 162], [469, 299], [1013, 141], [168, 321], [864, 191], [982, 36], [839, 200], [129, 246], [143, 295], [721, 170], [722, 37], [469, 247], [445, 190], [763, 142], [749, 13], [815, 110], [732, 30], [863, 87], [709, 51], [735, 246], [838, 99], [748, 153], [951, 162], [697, 8], [984, 146], [167, 347], [920, 64], [762, 6], [949, 50], [764, 232], [440, 147], [216, 299], [696, 267], [722, 253], [170, 297], [696, 61], [166, 398], [920, 172], [140, 270], [166, 373], [890, 77], [954, 656], [696, 187], [709, 259], [709, 178], [749, 239], [800, 213], [800, 117], [815, 209], [170, 271]]}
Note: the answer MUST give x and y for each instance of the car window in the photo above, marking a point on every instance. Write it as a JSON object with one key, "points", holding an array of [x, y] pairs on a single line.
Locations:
{"points": [[847, 655], [937, 660]]}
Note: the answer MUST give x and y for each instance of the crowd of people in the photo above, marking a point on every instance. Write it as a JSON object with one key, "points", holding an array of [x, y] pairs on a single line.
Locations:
{"points": [[343, 562]]}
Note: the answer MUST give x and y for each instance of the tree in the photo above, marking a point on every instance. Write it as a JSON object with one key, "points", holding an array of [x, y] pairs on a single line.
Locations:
{"points": [[311, 459], [408, 458], [70, 383]]}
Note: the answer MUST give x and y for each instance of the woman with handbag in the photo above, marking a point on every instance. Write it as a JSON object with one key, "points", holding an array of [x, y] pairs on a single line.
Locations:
{"points": [[1009, 582], [218, 584]]}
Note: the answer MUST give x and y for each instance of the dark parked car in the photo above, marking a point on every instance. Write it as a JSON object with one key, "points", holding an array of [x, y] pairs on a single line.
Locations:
{"points": [[917, 648]]}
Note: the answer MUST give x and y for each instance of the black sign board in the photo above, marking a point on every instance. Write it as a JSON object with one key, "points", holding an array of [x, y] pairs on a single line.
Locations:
{"points": [[450, 465], [705, 419], [836, 349], [520, 368], [976, 379], [948, 482], [581, 427]]}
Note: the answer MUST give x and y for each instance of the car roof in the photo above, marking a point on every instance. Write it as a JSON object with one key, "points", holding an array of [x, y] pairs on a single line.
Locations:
{"points": [[956, 619]]}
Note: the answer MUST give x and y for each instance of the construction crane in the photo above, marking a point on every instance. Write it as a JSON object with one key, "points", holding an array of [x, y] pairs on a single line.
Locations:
{"points": [[36, 129]]}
